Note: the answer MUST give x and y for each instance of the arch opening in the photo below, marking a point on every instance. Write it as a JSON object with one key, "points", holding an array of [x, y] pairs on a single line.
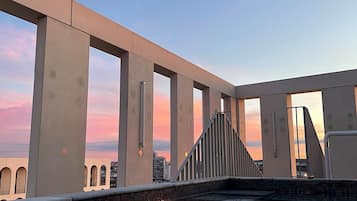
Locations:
{"points": [[103, 175], [93, 176], [20, 183], [5, 181]]}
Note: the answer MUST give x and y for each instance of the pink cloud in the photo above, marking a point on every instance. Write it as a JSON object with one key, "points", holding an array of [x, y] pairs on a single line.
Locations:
{"points": [[162, 117], [16, 44], [102, 127], [15, 124], [12, 98], [197, 111], [253, 126], [255, 152], [164, 154]]}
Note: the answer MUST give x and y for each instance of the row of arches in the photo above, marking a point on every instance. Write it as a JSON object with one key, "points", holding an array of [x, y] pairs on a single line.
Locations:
{"points": [[21, 176], [5, 181], [94, 176]]}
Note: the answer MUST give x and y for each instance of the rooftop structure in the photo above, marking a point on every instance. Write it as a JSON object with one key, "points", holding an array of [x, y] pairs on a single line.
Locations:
{"points": [[65, 32]]}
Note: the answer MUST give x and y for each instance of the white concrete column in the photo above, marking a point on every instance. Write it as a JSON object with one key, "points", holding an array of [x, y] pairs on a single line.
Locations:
{"points": [[277, 136], [240, 114], [181, 119], [211, 104], [339, 106], [135, 169], [57, 144]]}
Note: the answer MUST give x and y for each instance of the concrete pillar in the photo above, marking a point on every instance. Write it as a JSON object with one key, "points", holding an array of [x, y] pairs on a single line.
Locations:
{"points": [[58, 130], [277, 136], [135, 168], [240, 114], [236, 113], [181, 119], [211, 104], [230, 109], [339, 106]]}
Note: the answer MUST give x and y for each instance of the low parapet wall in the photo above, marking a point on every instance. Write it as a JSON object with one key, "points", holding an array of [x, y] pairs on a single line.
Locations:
{"points": [[320, 189]]}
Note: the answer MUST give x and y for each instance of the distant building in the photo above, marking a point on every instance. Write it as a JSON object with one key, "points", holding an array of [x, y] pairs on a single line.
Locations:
{"points": [[113, 174], [161, 169], [167, 171], [302, 168], [13, 176]]}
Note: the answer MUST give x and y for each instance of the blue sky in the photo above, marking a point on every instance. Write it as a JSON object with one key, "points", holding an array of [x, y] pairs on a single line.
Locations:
{"points": [[247, 41]]}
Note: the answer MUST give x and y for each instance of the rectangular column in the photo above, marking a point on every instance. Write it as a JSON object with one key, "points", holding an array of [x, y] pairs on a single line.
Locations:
{"points": [[135, 165], [230, 110], [277, 136], [58, 130], [181, 119], [235, 110], [241, 119], [211, 104], [339, 106]]}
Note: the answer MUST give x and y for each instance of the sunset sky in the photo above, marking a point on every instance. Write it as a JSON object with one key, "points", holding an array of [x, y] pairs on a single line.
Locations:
{"points": [[241, 41]]}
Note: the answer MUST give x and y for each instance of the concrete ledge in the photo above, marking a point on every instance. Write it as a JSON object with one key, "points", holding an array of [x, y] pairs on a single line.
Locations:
{"points": [[323, 188]]}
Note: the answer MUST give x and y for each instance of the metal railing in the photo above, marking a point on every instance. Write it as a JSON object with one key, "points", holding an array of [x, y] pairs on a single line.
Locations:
{"points": [[314, 155], [218, 152]]}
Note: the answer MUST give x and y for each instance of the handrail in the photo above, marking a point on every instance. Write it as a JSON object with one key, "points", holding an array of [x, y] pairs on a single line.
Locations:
{"points": [[328, 168], [198, 140], [217, 152]]}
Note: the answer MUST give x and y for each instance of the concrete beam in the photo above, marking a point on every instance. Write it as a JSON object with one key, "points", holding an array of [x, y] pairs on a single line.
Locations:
{"points": [[298, 85], [339, 106], [182, 138], [133, 168], [277, 136], [33, 10], [111, 37], [58, 130], [211, 104], [106, 30]]}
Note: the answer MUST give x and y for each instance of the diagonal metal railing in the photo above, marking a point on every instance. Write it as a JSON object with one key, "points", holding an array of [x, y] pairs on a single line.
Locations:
{"points": [[218, 152], [314, 155]]}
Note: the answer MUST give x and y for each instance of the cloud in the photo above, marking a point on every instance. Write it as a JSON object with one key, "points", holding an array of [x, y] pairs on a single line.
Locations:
{"points": [[102, 127], [17, 54], [17, 44], [255, 152], [15, 124], [161, 145], [161, 121], [198, 118], [102, 146], [254, 143], [20, 150]]}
